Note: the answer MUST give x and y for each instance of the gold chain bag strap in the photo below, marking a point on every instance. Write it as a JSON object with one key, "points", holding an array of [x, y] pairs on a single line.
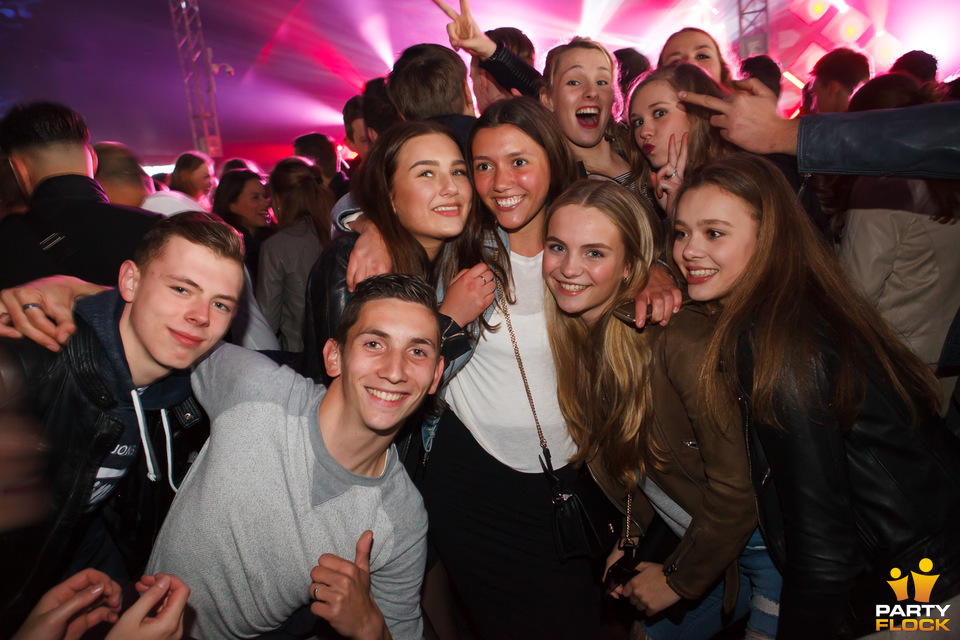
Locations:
{"points": [[573, 532]]}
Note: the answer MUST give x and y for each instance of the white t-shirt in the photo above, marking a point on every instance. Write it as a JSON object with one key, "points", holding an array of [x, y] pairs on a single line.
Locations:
{"points": [[488, 393]]}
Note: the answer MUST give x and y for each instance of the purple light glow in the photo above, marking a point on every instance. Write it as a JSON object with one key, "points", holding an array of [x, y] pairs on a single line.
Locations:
{"points": [[298, 61]]}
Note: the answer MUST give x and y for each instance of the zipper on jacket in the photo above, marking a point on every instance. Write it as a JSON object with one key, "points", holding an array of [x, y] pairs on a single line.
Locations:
{"points": [[745, 410]]}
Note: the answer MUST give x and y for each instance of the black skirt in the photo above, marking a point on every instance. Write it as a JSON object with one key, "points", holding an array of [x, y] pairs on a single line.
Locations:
{"points": [[492, 528]]}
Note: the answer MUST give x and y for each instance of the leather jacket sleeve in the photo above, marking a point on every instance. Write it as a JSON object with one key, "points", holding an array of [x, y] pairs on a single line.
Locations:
{"points": [[916, 142], [725, 516], [807, 469], [511, 72], [327, 295]]}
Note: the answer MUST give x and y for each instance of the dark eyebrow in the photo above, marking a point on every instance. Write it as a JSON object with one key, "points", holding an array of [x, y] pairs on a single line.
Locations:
{"points": [[426, 341], [555, 239], [713, 222], [435, 163], [187, 281], [580, 66], [697, 48], [511, 154], [596, 245], [383, 334]]}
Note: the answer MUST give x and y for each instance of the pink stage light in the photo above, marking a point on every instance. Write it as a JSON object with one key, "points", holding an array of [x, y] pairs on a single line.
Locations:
{"points": [[594, 16], [846, 27], [376, 34], [810, 10], [884, 49]]}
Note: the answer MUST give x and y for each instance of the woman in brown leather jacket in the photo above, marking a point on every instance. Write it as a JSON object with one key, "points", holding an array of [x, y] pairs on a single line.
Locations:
{"points": [[631, 401], [857, 479]]}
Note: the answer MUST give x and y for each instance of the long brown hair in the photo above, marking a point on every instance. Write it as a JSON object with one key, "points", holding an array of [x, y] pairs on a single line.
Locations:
{"points": [[232, 184], [607, 403], [376, 180], [793, 298], [536, 121], [704, 142], [187, 163], [297, 192]]}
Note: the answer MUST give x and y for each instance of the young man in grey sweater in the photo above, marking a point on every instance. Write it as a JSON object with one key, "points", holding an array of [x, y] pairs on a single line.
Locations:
{"points": [[298, 497]]}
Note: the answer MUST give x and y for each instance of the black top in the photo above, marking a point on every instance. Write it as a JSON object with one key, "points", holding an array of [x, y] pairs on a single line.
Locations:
{"points": [[840, 507], [70, 229]]}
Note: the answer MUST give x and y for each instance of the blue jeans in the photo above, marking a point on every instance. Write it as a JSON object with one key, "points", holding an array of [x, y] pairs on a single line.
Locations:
{"points": [[758, 598]]}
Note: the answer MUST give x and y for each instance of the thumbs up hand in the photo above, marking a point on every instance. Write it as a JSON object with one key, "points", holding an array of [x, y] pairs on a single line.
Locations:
{"points": [[340, 592]]}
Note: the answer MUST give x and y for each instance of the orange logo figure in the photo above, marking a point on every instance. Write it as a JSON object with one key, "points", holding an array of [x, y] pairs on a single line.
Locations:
{"points": [[898, 584], [923, 584]]}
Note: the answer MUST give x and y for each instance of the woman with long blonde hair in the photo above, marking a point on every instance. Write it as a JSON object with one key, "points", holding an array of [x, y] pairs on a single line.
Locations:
{"points": [[632, 404]]}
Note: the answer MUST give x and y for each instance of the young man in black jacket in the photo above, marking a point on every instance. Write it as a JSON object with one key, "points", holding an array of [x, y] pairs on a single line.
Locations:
{"points": [[98, 398]]}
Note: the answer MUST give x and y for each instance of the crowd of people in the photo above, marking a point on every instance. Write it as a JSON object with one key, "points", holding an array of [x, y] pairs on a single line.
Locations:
{"points": [[607, 351]]}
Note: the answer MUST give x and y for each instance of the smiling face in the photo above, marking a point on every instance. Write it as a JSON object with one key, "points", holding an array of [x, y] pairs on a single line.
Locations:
{"points": [[512, 176], [582, 95], [693, 47], [715, 238], [431, 192], [252, 205], [655, 115], [584, 261], [179, 306], [389, 362]]}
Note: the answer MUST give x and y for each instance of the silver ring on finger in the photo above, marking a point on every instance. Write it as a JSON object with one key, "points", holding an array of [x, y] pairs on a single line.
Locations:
{"points": [[30, 305], [315, 597], [673, 175]]}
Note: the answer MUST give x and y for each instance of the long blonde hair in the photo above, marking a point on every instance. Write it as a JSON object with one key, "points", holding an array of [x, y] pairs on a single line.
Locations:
{"points": [[607, 403]]}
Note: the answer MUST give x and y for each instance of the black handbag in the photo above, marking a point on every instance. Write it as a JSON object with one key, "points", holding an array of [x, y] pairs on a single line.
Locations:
{"points": [[573, 532]]}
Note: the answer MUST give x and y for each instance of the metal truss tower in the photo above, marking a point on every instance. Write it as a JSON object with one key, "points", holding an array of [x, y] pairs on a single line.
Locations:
{"points": [[196, 68], [754, 28]]}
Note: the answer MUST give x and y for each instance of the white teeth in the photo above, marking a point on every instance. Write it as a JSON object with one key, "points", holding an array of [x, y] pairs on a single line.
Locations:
{"points": [[446, 208], [699, 273], [571, 287], [383, 395], [588, 111], [508, 202]]}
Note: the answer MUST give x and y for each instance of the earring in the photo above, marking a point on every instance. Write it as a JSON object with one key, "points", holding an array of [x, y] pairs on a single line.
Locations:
{"points": [[625, 279]]}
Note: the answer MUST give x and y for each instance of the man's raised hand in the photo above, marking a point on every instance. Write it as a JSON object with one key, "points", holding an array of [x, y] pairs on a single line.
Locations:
{"points": [[341, 594]]}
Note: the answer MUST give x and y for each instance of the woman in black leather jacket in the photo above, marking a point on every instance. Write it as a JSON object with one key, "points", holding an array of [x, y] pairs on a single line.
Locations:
{"points": [[857, 480], [414, 189]]}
